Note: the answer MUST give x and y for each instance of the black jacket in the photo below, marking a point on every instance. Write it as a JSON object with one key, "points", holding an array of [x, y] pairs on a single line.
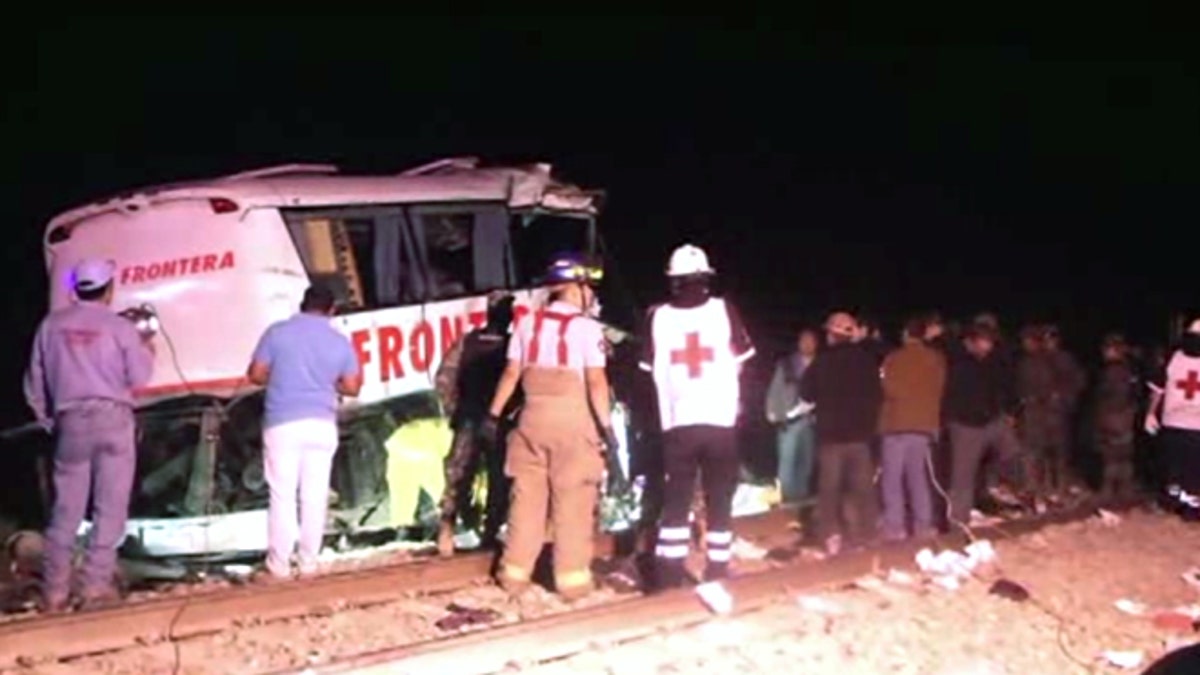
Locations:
{"points": [[843, 383], [978, 391]]}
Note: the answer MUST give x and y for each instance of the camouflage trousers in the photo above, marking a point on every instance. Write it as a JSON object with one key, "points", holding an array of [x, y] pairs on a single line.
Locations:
{"points": [[461, 466], [1045, 435]]}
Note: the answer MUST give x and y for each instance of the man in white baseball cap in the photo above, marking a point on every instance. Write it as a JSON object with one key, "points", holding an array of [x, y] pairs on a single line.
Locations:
{"points": [[86, 363]]}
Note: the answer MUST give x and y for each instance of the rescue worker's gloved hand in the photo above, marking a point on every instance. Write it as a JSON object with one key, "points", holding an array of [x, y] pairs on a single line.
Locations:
{"points": [[489, 429]]}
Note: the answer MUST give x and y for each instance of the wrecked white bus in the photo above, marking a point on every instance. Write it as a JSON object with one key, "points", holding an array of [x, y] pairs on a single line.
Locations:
{"points": [[214, 262]]}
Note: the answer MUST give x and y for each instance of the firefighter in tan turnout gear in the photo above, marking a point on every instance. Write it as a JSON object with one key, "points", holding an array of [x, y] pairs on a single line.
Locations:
{"points": [[555, 453], [694, 347]]}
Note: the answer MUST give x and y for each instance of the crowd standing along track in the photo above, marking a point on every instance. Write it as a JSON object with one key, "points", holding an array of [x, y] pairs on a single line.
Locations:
{"points": [[559, 636], [101, 630]]}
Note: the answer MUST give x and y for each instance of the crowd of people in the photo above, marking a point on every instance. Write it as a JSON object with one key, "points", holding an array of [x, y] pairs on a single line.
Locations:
{"points": [[534, 397], [955, 414]]}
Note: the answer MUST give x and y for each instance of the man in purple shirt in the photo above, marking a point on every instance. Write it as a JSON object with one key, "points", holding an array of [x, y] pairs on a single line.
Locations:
{"points": [[86, 363], [305, 364]]}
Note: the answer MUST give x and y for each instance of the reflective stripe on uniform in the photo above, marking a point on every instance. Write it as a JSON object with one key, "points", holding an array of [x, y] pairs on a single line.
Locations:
{"points": [[564, 320], [720, 555], [672, 551], [674, 534], [718, 543], [514, 573], [573, 579]]}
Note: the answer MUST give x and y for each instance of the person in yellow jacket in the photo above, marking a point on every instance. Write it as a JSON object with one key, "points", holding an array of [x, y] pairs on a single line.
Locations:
{"points": [[555, 454]]}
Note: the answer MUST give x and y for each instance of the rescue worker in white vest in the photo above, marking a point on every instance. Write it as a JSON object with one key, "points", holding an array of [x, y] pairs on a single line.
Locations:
{"points": [[694, 347], [1176, 388], [555, 454]]}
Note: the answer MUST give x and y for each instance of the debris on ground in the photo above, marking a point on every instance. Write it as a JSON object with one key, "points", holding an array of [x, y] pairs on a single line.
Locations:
{"points": [[1127, 660]]}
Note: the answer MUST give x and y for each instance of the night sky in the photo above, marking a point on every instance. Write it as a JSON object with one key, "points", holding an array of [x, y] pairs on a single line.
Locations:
{"points": [[1039, 175]]}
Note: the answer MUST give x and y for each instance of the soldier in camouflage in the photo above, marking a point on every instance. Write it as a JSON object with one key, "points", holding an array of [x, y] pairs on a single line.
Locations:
{"points": [[1070, 381], [1039, 422], [465, 382], [1115, 414]]}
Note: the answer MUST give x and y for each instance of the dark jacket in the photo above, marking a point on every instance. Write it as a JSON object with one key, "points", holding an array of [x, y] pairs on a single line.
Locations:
{"points": [[468, 375], [843, 383], [978, 391]]}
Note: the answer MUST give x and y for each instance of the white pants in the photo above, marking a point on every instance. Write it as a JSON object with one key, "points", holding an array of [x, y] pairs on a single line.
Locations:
{"points": [[297, 459]]}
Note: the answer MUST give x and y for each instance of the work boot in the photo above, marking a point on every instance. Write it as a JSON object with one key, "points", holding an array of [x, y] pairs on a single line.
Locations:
{"points": [[669, 574], [445, 539], [577, 592], [99, 599], [53, 603]]}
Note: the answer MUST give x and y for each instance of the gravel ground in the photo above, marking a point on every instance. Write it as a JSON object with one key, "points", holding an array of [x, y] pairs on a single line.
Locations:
{"points": [[296, 643], [1075, 572]]}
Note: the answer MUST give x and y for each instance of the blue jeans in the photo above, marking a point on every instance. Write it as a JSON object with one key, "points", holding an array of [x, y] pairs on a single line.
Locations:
{"points": [[795, 443], [905, 466]]}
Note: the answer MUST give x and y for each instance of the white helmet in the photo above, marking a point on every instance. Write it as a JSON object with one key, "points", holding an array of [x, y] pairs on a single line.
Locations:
{"points": [[1195, 327], [688, 260]]}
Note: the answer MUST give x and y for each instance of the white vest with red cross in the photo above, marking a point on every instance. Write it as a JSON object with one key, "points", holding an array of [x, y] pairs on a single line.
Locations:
{"points": [[694, 368], [1181, 393]]}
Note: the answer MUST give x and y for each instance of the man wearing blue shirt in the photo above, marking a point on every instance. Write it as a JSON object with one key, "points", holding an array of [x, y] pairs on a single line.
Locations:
{"points": [[305, 364]]}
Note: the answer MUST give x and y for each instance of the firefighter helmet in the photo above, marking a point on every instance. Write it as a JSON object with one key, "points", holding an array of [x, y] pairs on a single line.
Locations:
{"points": [[688, 260]]}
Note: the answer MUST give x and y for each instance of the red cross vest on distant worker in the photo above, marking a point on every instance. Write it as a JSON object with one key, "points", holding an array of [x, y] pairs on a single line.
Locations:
{"points": [[694, 364], [1181, 395]]}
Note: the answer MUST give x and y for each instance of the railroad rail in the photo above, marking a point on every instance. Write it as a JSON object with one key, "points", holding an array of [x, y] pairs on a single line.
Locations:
{"points": [[562, 635], [114, 628]]}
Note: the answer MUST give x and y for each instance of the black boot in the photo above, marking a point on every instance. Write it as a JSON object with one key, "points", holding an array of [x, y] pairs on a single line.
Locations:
{"points": [[669, 574]]}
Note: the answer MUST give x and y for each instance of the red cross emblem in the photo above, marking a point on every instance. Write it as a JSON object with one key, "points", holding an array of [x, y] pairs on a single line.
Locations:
{"points": [[693, 355], [1191, 385]]}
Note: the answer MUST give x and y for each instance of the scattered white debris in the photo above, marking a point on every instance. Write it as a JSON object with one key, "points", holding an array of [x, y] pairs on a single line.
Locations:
{"points": [[238, 571], [715, 597], [819, 605], [1192, 578], [947, 582], [980, 520], [1126, 660], [332, 555], [744, 550], [980, 553], [946, 563], [901, 578], [1190, 611], [1108, 518], [1131, 607]]}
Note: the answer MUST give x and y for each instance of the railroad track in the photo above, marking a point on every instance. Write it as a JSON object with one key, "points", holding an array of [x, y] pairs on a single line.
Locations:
{"points": [[123, 626], [558, 636]]}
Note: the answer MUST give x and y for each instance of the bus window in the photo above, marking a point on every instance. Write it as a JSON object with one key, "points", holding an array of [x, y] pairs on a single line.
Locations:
{"points": [[360, 252], [467, 249]]}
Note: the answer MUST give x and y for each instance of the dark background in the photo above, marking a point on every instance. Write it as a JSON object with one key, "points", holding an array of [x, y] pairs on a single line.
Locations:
{"points": [[1037, 173]]}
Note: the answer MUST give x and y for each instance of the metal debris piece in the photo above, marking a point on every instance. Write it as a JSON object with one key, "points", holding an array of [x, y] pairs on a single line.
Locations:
{"points": [[1009, 590], [461, 616]]}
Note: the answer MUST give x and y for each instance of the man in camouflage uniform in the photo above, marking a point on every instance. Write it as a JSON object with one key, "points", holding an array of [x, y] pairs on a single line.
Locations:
{"points": [[1116, 411], [465, 382], [1070, 381], [1049, 383], [1041, 432]]}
